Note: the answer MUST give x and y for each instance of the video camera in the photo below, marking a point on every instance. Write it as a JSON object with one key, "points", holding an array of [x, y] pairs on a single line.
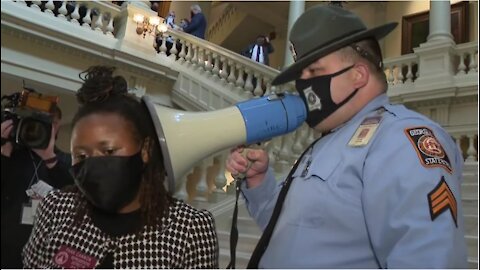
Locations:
{"points": [[32, 115]]}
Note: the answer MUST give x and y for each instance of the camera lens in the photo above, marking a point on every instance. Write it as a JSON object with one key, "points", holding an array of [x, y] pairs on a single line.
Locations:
{"points": [[34, 133]]}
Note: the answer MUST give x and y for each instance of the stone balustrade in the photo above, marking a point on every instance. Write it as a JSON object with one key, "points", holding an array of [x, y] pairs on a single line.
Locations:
{"points": [[96, 15], [401, 70], [237, 73]]}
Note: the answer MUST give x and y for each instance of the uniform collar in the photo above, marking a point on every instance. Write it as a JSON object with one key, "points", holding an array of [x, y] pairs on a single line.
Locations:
{"points": [[374, 104]]}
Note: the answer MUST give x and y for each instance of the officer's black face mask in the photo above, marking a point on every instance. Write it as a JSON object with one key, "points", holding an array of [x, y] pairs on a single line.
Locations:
{"points": [[109, 182], [316, 94]]}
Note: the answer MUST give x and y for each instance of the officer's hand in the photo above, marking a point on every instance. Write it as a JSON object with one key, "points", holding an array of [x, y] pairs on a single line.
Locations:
{"points": [[48, 152], [6, 129], [237, 163]]}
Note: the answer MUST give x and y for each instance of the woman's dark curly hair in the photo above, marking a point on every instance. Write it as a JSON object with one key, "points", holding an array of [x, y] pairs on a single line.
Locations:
{"points": [[102, 93]]}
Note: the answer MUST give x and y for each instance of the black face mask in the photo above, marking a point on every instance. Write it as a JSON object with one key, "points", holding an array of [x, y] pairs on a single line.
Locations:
{"points": [[316, 94], [110, 182]]}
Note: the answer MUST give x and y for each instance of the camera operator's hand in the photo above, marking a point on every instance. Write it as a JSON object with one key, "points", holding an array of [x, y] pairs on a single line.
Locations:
{"points": [[48, 153], [6, 129]]}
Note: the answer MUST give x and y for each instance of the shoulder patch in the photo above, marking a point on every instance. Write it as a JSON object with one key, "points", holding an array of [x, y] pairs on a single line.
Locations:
{"points": [[429, 150], [441, 199]]}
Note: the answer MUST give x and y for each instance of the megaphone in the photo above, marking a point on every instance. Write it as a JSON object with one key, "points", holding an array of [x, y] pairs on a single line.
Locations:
{"points": [[188, 137]]}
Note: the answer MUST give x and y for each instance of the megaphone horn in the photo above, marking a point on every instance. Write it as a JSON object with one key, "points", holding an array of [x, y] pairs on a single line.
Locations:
{"points": [[188, 137]]}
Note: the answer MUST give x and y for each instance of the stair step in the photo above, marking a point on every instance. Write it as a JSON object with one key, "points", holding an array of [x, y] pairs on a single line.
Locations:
{"points": [[472, 263], [470, 190], [470, 205], [471, 225], [472, 246], [248, 226], [241, 261], [246, 242], [470, 179]]}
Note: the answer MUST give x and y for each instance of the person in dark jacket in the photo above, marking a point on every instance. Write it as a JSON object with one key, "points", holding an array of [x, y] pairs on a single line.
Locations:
{"points": [[259, 50], [32, 171], [198, 23]]}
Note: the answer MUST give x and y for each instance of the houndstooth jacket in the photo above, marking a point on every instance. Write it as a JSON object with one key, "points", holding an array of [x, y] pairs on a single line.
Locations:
{"points": [[187, 240]]}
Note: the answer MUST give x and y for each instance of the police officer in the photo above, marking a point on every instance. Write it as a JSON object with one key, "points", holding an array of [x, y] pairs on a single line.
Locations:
{"points": [[380, 189]]}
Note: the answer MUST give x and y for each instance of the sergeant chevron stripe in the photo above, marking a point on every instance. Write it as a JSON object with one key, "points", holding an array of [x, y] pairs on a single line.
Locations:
{"points": [[440, 199]]}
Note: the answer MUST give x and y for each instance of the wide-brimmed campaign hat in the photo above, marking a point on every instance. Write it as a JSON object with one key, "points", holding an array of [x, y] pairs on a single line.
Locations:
{"points": [[322, 30]]}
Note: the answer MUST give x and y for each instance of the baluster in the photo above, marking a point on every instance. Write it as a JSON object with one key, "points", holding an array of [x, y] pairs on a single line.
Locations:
{"points": [[268, 86], [302, 134], [258, 91], [200, 61], [36, 5], [409, 73], [220, 179], [400, 74], [195, 56], [75, 15], [390, 75], [231, 77], [202, 186], [273, 149], [109, 29], [216, 67], [473, 62], [163, 47], [248, 84], [188, 58], [458, 139], [181, 193], [99, 22], [208, 65], [87, 19], [461, 66], [240, 82], [173, 50], [471, 152], [224, 72], [284, 161], [182, 51], [273, 89], [62, 11], [49, 8]]}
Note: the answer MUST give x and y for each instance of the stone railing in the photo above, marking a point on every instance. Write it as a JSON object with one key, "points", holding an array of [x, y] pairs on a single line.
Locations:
{"points": [[467, 54], [466, 138], [401, 70], [96, 15], [237, 73]]}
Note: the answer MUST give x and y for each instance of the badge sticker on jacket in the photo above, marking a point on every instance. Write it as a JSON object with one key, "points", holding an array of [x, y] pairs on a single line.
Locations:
{"points": [[428, 148], [365, 131]]}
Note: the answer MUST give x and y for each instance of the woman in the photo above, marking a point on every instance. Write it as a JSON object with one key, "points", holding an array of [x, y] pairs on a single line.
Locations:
{"points": [[118, 215]]}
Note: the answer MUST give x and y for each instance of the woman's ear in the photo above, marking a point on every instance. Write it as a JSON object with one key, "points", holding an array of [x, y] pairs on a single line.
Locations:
{"points": [[361, 75], [147, 145]]}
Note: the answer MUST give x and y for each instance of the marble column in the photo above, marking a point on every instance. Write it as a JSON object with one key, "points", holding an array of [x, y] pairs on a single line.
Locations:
{"points": [[296, 9], [439, 21]]}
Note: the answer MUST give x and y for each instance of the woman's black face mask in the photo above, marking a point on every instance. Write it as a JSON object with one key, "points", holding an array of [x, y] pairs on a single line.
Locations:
{"points": [[109, 182], [317, 95]]}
